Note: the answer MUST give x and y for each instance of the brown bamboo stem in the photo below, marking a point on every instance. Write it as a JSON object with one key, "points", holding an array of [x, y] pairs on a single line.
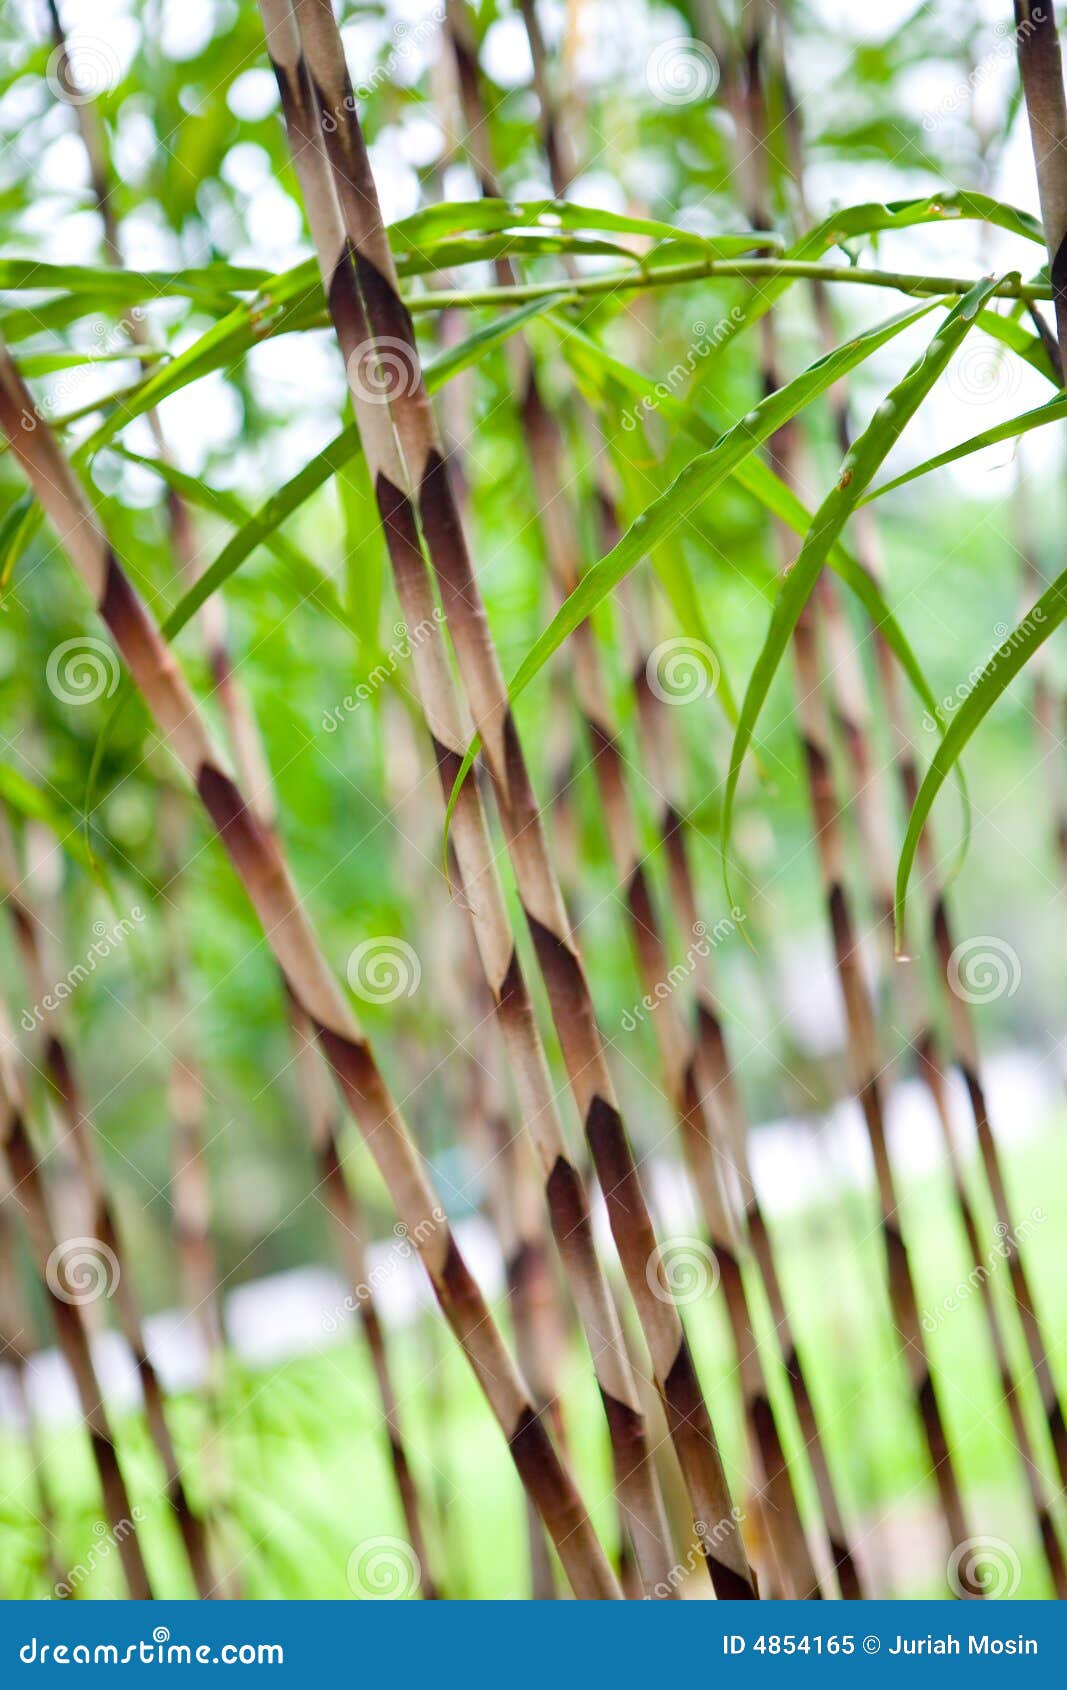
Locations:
{"points": [[81, 1134], [265, 876], [420, 498], [19, 1161], [863, 1042]]}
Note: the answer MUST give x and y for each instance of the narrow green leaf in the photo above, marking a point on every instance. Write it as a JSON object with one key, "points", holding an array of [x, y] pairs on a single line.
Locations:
{"points": [[1011, 656], [436, 223], [1054, 410], [698, 479], [860, 465]]}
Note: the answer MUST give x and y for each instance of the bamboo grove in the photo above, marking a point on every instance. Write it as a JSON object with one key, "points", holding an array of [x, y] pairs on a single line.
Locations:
{"points": [[502, 1075]]}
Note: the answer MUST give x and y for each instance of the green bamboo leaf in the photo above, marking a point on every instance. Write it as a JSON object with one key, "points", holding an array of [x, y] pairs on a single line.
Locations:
{"points": [[698, 479], [875, 218], [19, 523], [129, 287], [310, 581], [857, 470], [1011, 656], [436, 223], [1053, 410], [51, 363], [1029, 347], [765, 485]]}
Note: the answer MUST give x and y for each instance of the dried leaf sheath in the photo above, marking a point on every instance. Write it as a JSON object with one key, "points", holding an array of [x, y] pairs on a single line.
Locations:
{"points": [[425, 491], [568, 1204], [265, 876]]}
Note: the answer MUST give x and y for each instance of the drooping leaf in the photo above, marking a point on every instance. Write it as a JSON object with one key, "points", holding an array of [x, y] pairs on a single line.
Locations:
{"points": [[1011, 656], [860, 465], [1054, 410], [700, 478]]}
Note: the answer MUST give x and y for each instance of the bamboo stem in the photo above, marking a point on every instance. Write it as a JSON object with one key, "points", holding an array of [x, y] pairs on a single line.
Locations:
{"points": [[20, 1163], [568, 1204], [422, 486], [863, 1042], [265, 875], [81, 1134]]}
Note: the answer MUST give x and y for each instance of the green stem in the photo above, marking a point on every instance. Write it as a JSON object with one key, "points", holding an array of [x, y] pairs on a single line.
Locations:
{"points": [[701, 269]]}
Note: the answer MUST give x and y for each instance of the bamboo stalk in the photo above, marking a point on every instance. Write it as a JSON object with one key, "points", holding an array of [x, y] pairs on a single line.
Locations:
{"points": [[15, 1341], [1048, 703], [320, 1113], [379, 320], [568, 1204], [1041, 72], [720, 1094], [185, 1087], [19, 1159], [80, 1132], [265, 875], [862, 1035], [562, 547], [634, 280], [875, 828]]}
